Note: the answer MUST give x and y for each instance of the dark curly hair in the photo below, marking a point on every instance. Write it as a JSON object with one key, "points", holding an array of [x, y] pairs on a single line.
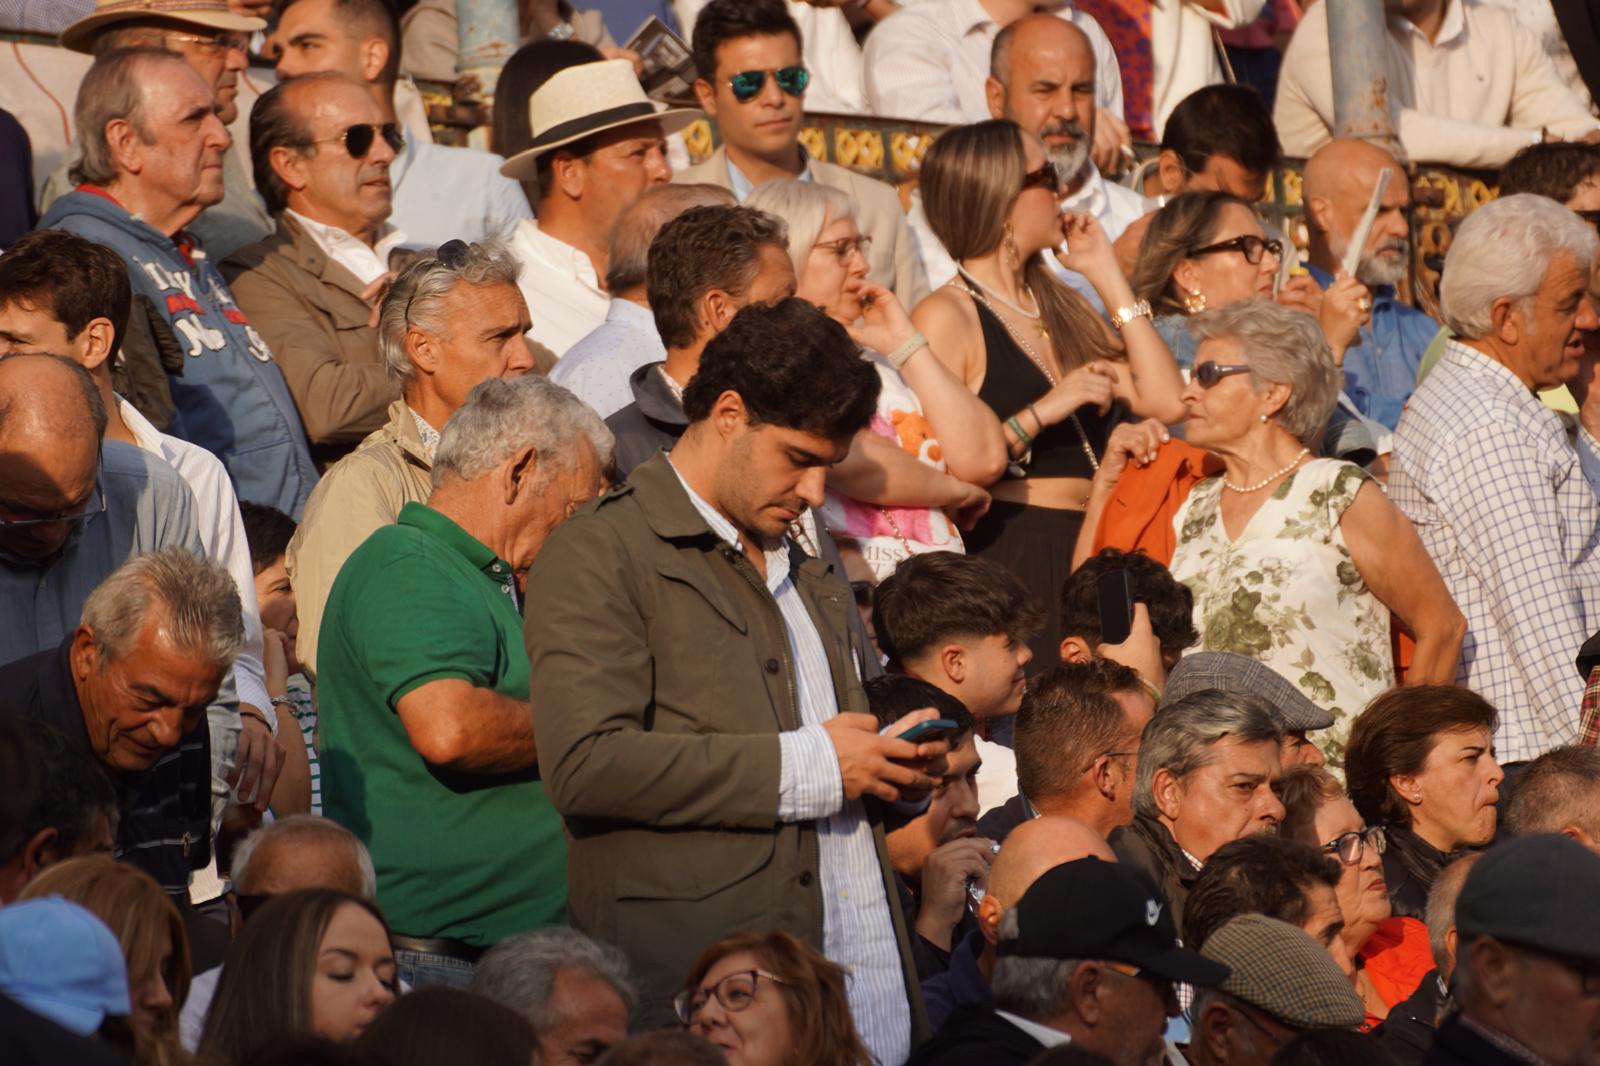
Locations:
{"points": [[705, 248], [1551, 170], [1169, 601]]}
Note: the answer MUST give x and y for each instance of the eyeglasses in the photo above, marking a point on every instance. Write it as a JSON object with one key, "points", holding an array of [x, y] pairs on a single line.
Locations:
{"points": [[1251, 245], [1352, 845], [747, 84], [96, 506], [1208, 374], [735, 992], [1043, 178], [359, 139], [845, 246], [219, 42]]}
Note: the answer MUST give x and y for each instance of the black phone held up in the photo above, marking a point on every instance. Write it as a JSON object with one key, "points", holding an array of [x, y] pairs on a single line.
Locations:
{"points": [[1116, 606]]}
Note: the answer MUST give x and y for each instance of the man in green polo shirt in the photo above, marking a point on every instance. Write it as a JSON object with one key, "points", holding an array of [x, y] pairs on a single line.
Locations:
{"points": [[427, 736]]}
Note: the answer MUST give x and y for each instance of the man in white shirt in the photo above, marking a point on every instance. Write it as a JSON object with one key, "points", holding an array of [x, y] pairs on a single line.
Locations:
{"points": [[1468, 85], [598, 143], [440, 193], [322, 153]]}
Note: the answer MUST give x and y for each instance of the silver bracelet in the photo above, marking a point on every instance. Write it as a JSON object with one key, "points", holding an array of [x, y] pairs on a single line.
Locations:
{"points": [[281, 701], [911, 346]]}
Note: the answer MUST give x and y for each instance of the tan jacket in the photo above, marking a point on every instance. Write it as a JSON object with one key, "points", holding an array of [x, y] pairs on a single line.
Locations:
{"points": [[309, 310], [893, 258], [360, 493]]}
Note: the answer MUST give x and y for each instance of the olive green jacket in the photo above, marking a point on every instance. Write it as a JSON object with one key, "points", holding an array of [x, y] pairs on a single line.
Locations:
{"points": [[661, 678]]}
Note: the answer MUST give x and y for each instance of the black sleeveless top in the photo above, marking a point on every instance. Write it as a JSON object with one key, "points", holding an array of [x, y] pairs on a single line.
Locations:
{"points": [[1013, 381]]}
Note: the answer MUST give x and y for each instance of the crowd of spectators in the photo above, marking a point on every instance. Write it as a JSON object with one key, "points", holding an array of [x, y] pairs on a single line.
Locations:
{"points": [[558, 605]]}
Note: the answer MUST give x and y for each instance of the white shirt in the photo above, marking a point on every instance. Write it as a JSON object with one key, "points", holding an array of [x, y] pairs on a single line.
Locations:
{"points": [[928, 62], [443, 193], [997, 775], [1043, 1033], [1183, 52], [367, 262], [561, 286], [828, 49], [598, 367]]}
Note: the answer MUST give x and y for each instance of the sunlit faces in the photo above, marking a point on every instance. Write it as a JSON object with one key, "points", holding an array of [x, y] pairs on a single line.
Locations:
{"points": [[1230, 408], [217, 56], [354, 977], [1227, 276], [1549, 333], [834, 270], [758, 1034], [29, 327], [1383, 260], [326, 183], [1362, 892], [586, 1016], [621, 165], [482, 338], [1051, 91], [182, 159], [766, 125], [312, 37], [1035, 215], [1455, 793], [772, 474], [275, 596], [1228, 798]]}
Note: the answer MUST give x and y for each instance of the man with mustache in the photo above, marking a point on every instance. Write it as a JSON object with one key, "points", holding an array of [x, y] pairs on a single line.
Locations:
{"points": [[1380, 368], [321, 151]]}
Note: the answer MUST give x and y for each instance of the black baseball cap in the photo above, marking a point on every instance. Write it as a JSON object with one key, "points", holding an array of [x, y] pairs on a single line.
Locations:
{"points": [[1092, 909], [1537, 891]]}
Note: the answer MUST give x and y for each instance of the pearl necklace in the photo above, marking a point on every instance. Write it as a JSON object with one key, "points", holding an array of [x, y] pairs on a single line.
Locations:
{"points": [[1270, 478], [1036, 316]]}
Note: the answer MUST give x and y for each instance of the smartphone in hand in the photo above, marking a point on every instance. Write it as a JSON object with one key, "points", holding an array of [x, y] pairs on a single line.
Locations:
{"points": [[932, 730], [1116, 606]]}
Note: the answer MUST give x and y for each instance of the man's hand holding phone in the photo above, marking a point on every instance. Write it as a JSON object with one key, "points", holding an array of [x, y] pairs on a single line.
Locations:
{"points": [[881, 764]]}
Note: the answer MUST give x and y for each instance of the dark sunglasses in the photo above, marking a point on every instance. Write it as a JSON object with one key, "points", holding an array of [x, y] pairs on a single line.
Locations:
{"points": [[1251, 245], [1043, 178], [747, 84], [359, 139], [1208, 374]]}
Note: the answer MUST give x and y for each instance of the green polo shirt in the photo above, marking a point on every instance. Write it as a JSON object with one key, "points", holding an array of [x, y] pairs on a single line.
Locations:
{"points": [[473, 857]]}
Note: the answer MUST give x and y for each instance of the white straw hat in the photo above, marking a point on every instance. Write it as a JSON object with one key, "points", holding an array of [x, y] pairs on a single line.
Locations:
{"points": [[584, 100], [209, 14]]}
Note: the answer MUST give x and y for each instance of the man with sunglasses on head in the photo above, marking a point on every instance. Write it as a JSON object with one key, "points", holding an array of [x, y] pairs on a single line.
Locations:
{"points": [[753, 84], [321, 151]]}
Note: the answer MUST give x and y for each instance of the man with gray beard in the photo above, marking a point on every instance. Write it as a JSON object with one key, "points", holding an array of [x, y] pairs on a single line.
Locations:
{"points": [[1380, 368]]}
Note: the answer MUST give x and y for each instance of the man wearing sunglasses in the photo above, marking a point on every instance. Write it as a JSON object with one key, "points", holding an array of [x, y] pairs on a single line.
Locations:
{"points": [[321, 152], [753, 84]]}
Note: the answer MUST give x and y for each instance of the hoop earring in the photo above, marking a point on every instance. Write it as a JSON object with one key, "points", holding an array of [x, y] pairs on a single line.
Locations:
{"points": [[1194, 301], [1009, 243]]}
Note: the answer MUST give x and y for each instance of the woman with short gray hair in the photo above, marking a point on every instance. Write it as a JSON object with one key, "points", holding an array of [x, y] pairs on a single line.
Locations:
{"points": [[1296, 560]]}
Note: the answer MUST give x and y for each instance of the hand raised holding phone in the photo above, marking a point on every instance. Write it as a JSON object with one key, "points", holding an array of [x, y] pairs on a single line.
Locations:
{"points": [[884, 765]]}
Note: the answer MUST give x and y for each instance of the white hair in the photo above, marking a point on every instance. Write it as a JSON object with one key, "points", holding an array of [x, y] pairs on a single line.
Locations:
{"points": [[500, 417], [1182, 737], [301, 829], [1504, 250], [416, 295], [807, 207], [520, 971], [197, 601]]}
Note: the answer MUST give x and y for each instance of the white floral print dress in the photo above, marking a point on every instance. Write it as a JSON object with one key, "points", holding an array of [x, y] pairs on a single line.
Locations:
{"points": [[1286, 591]]}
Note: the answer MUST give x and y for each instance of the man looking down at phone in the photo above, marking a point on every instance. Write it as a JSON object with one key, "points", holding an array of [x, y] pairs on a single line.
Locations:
{"points": [[1127, 607], [701, 726]]}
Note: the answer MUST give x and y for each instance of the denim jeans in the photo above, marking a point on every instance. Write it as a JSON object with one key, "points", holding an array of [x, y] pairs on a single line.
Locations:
{"points": [[419, 969]]}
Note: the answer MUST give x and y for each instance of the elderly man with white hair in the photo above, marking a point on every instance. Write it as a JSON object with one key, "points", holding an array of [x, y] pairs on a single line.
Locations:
{"points": [[577, 992], [428, 748], [1488, 476]]}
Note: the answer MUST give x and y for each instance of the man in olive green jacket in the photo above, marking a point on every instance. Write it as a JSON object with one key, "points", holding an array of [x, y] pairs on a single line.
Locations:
{"points": [[700, 722]]}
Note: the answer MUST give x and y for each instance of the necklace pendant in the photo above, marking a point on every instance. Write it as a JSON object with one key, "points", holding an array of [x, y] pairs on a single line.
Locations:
{"points": [[1044, 334]]}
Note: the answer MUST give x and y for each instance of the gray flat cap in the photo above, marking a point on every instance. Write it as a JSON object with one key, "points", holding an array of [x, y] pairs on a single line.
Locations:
{"points": [[1278, 968], [1538, 891], [1229, 671]]}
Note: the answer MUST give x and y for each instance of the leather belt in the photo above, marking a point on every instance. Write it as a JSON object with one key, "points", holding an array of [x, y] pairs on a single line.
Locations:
{"points": [[438, 945]]}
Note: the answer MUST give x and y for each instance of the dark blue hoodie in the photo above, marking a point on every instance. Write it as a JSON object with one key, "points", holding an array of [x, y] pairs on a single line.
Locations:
{"points": [[231, 398]]}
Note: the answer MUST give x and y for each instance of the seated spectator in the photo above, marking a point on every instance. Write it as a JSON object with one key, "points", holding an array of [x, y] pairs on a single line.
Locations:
{"points": [[918, 474], [62, 962], [449, 321], [1032, 849], [1268, 875], [313, 961], [322, 153], [1063, 974], [1557, 793], [1482, 465], [1527, 942], [703, 267], [575, 991], [293, 853], [767, 999], [1169, 604], [1408, 1032], [1467, 85], [1382, 361], [1077, 746], [439, 192], [1228, 671], [598, 143], [1206, 768], [74, 811], [167, 625], [1281, 985], [427, 743], [962, 624], [665, 1047], [1421, 763], [939, 860], [597, 368], [433, 1025], [215, 41], [752, 83], [150, 932], [1328, 560]]}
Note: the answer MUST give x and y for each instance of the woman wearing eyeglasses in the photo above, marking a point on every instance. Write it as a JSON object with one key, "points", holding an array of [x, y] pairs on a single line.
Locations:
{"points": [[1392, 954], [767, 999], [1056, 375], [917, 473], [1296, 560]]}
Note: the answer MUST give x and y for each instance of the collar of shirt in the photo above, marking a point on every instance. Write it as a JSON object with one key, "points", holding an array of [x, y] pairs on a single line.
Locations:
{"points": [[430, 436], [777, 558], [1043, 1033], [560, 256], [367, 263], [742, 186], [1196, 863], [444, 530], [630, 314], [1499, 378], [1453, 27], [970, 16]]}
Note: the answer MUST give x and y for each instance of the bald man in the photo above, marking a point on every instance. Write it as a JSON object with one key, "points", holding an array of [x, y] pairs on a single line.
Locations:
{"points": [[1380, 369], [1032, 848]]}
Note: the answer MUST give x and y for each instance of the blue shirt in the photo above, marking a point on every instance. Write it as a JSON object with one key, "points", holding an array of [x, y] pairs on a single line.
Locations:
{"points": [[598, 367], [962, 985], [442, 193], [1380, 370]]}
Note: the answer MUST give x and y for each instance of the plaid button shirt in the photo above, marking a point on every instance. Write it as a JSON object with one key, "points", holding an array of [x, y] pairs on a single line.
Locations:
{"points": [[1489, 478]]}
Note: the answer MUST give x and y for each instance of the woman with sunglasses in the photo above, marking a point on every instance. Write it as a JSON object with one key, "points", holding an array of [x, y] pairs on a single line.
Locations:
{"points": [[1295, 560], [1056, 374], [1391, 954], [917, 473], [768, 999]]}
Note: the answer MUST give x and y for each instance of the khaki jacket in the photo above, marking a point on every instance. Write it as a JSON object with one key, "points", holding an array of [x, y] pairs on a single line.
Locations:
{"points": [[893, 257], [661, 678], [359, 494], [309, 310]]}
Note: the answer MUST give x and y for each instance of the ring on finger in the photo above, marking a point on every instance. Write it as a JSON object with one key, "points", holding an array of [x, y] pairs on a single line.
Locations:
{"points": [[1365, 303]]}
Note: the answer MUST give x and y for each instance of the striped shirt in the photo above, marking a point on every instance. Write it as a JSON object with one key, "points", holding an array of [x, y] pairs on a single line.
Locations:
{"points": [[858, 932], [1488, 476]]}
